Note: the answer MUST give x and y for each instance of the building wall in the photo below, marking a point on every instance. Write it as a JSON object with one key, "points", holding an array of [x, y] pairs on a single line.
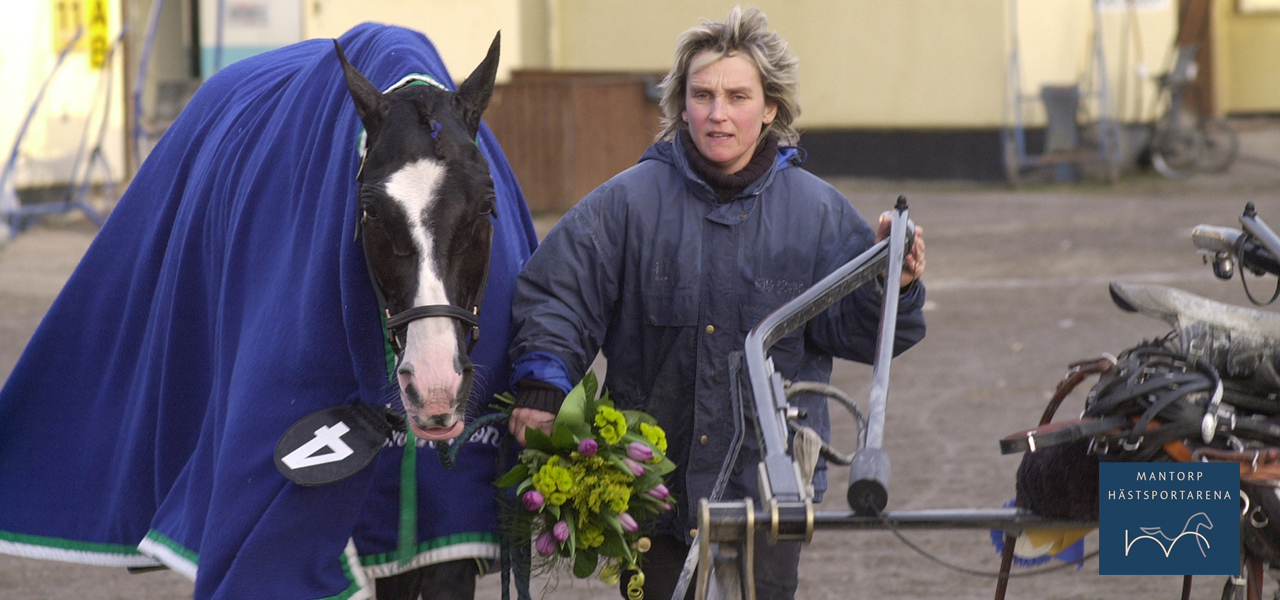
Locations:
{"points": [[1056, 47], [27, 56], [1247, 56], [933, 67], [919, 64], [460, 29]]}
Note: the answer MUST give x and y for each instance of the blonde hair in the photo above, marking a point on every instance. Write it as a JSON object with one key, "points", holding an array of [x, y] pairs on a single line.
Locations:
{"points": [[744, 32]]}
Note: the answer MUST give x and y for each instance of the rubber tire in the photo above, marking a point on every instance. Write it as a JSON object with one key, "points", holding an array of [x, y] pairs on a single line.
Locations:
{"points": [[1221, 145]]}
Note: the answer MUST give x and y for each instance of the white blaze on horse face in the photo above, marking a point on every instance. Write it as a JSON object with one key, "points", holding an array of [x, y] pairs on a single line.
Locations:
{"points": [[428, 373]]}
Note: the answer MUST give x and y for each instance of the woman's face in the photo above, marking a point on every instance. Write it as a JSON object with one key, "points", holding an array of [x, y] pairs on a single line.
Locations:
{"points": [[725, 108]]}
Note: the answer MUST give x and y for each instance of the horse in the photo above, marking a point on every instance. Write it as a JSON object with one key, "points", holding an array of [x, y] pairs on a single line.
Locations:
{"points": [[262, 268], [1194, 524]]}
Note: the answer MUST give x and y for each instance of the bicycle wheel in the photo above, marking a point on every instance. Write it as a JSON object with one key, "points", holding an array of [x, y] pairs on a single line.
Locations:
{"points": [[1221, 144], [1175, 153]]}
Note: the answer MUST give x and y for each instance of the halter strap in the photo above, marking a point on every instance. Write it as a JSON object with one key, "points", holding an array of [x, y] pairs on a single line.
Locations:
{"points": [[402, 319]]}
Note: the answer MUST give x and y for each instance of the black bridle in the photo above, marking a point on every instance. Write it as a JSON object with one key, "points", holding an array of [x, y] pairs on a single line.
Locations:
{"points": [[398, 323]]}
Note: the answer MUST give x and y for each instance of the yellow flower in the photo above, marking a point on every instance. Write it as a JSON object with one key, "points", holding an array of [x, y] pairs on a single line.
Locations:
{"points": [[590, 535], [554, 482], [611, 423], [598, 484], [655, 435], [609, 573], [618, 496]]}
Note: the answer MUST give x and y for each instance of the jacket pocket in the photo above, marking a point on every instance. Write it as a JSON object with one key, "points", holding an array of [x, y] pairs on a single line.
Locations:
{"points": [[671, 309]]}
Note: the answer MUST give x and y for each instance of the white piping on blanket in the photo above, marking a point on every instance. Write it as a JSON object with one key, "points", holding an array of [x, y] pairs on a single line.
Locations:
{"points": [[163, 553]]}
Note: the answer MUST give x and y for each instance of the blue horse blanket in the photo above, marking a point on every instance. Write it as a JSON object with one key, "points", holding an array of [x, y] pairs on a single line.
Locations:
{"points": [[225, 298]]}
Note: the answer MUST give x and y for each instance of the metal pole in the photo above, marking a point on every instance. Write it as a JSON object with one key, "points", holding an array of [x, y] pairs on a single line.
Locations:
{"points": [[11, 213], [152, 21], [869, 472]]}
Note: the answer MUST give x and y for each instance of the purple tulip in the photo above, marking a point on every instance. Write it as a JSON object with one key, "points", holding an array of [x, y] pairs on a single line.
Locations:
{"points": [[636, 468], [546, 544], [560, 530], [628, 522], [588, 447], [639, 451], [660, 492], [533, 500]]}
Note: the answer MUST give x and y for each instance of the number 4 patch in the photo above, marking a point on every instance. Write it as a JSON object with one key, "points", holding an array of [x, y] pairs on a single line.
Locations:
{"points": [[332, 444], [326, 437]]}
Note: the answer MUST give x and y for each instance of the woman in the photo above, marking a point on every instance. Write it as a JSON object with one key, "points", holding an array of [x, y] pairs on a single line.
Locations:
{"points": [[667, 266]]}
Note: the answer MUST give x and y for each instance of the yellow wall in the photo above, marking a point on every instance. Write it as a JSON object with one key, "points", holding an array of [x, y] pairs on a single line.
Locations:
{"points": [[1056, 47], [1246, 59], [876, 64], [27, 56], [460, 29]]}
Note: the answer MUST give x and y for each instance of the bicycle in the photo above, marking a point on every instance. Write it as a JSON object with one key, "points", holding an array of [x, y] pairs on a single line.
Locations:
{"points": [[1182, 143]]}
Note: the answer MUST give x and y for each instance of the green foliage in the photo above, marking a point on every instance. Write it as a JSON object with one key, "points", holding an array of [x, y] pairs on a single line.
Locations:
{"points": [[585, 563], [534, 438], [513, 477]]}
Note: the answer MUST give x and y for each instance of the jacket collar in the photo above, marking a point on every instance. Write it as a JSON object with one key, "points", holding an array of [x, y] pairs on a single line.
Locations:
{"points": [[670, 152]]}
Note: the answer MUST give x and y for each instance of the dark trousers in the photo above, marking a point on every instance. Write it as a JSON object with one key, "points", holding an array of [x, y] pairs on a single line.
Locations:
{"points": [[453, 580], [776, 569]]}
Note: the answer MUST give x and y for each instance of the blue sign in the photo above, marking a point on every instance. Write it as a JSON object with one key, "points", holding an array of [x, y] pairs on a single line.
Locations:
{"points": [[1168, 518]]}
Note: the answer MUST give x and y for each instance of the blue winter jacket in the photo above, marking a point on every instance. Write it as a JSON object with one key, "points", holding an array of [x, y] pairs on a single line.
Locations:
{"points": [[652, 270]]}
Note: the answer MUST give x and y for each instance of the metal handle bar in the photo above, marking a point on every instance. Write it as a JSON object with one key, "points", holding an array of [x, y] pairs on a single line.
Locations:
{"points": [[1211, 238], [1256, 247], [778, 477]]}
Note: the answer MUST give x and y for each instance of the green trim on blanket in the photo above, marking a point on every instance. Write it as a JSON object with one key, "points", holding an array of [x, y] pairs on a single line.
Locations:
{"points": [[65, 544], [175, 547], [373, 560], [408, 497]]}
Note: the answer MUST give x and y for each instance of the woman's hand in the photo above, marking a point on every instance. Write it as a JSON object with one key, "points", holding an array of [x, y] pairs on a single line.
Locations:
{"points": [[913, 262], [529, 417]]}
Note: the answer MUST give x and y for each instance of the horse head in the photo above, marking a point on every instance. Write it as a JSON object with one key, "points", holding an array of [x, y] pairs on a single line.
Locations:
{"points": [[426, 197]]}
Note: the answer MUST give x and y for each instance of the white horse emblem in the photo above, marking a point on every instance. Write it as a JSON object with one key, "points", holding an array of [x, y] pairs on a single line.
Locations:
{"points": [[1194, 524]]}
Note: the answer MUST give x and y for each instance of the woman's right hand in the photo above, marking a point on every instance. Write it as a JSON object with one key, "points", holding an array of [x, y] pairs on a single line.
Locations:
{"points": [[529, 417]]}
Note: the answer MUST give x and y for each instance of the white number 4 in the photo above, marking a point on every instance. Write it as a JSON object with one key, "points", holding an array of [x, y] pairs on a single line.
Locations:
{"points": [[326, 437]]}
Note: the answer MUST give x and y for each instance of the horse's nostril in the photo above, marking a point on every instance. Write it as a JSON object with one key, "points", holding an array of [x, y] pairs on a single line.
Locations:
{"points": [[405, 368], [412, 396]]}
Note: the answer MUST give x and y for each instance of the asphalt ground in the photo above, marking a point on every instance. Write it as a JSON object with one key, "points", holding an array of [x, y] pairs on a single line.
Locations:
{"points": [[1017, 290]]}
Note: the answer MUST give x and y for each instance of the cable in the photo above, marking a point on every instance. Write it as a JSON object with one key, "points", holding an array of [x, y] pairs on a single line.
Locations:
{"points": [[975, 572]]}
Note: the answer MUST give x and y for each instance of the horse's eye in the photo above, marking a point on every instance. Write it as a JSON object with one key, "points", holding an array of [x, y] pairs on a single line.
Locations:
{"points": [[369, 211]]}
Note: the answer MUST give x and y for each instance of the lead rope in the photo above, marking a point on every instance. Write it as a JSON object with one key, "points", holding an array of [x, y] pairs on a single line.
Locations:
{"points": [[515, 558]]}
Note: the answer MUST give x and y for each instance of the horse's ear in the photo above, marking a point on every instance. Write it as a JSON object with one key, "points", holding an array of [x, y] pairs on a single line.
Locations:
{"points": [[370, 104], [474, 93]]}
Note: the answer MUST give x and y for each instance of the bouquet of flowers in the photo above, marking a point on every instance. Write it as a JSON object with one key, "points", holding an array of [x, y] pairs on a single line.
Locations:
{"points": [[583, 490]]}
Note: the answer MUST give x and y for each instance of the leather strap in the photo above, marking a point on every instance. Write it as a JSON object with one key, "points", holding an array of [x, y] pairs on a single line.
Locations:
{"points": [[1062, 432], [1262, 464], [403, 318]]}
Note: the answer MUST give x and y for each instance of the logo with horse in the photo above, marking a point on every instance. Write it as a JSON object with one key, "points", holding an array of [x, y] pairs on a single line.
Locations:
{"points": [[1159, 519]]}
